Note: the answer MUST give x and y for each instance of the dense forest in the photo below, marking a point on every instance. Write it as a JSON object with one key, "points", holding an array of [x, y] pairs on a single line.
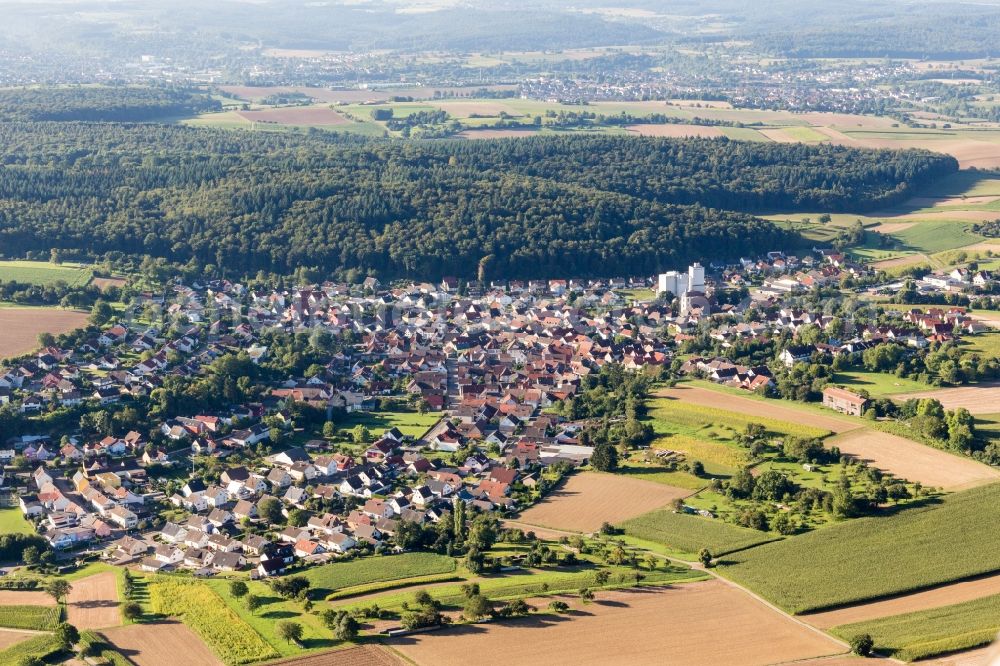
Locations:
{"points": [[120, 104], [538, 207]]}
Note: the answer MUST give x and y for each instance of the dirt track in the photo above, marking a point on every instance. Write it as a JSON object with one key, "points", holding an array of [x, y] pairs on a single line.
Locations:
{"points": [[705, 623], [914, 462], [767, 408], [161, 644], [945, 595], [588, 499], [93, 602]]}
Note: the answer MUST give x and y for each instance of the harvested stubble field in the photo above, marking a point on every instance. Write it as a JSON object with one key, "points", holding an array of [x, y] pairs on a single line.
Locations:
{"points": [[982, 399], [937, 597], [910, 460], [588, 499], [646, 626], [690, 534], [93, 602], [761, 409], [159, 643], [21, 327], [496, 134], [865, 559], [675, 130], [25, 598], [305, 116]]}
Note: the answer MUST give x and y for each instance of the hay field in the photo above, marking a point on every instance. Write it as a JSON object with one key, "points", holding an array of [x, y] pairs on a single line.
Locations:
{"points": [[910, 460], [676, 130], [496, 134], [646, 626], [588, 499], [937, 597], [771, 409], [21, 327], [983, 399], [93, 602], [311, 116], [159, 643]]}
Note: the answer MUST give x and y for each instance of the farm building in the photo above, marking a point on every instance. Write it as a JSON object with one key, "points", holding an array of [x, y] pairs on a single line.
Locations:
{"points": [[844, 401]]}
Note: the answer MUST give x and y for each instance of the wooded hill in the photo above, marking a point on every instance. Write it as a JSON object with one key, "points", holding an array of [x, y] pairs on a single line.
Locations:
{"points": [[98, 103], [578, 206]]}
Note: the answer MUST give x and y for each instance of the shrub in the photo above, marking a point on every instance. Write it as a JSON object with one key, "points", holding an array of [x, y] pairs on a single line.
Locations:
{"points": [[862, 645]]}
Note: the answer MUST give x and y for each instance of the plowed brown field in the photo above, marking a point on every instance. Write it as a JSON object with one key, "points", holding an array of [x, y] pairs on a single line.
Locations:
{"points": [[21, 327], [698, 624], [587, 500], [912, 461], [161, 644], [27, 598], [93, 602]]}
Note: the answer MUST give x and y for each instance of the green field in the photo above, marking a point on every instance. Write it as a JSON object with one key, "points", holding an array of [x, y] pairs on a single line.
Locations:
{"points": [[409, 423], [937, 236], [806, 134], [868, 558], [43, 273], [274, 608], [878, 384], [931, 632], [984, 344], [37, 618], [12, 522], [689, 534], [332, 577], [713, 424], [40, 646]]}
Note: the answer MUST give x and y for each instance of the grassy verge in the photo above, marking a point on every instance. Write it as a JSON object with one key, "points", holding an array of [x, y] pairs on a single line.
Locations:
{"points": [[932, 632], [943, 541]]}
